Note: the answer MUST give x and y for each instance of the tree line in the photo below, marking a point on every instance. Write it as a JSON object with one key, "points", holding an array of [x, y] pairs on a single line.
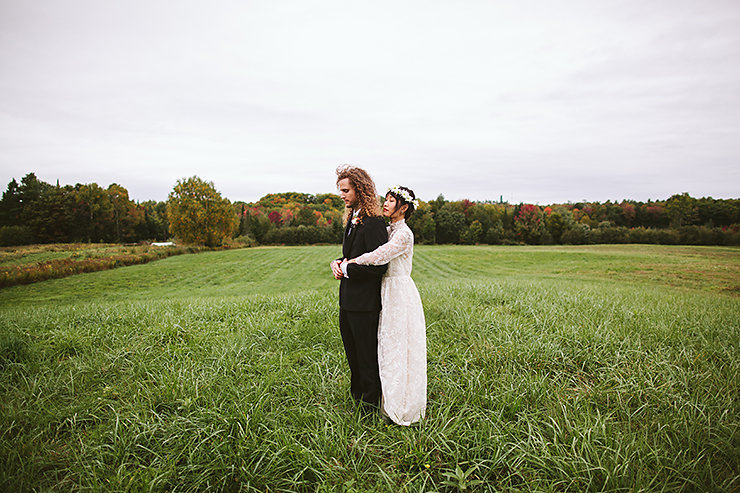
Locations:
{"points": [[33, 211], [681, 219], [294, 218]]}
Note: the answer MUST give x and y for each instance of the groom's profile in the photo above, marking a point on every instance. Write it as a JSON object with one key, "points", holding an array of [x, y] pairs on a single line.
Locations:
{"points": [[359, 288]]}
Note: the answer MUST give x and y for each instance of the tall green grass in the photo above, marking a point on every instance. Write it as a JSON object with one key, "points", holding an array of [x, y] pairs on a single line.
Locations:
{"points": [[550, 369]]}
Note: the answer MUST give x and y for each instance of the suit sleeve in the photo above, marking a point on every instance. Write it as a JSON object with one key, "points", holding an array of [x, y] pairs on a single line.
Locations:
{"points": [[375, 235]]}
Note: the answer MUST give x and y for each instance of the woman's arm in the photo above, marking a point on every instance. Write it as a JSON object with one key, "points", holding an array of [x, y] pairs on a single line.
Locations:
{"points": [[375, 235], [401, 243]]}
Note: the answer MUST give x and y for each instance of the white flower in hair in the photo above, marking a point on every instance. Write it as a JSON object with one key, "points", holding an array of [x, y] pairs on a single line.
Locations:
{"points": [[405, 195]]}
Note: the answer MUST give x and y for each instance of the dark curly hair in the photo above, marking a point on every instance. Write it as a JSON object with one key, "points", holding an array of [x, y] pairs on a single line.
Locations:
{"points": [[367, 197], [401, 201]]}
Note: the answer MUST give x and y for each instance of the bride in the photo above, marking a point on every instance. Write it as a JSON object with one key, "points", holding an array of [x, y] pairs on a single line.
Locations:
{"points": [[402, 356]]}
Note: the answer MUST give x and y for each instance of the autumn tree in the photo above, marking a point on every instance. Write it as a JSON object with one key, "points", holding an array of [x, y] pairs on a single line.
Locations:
{"points": [[330, 200], [198, 214], [306, 216], [555, 223], [529, 224]]}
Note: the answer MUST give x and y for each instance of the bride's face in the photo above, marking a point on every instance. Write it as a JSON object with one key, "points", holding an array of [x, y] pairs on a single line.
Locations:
{"points": [[391, 209], [389, 206]]}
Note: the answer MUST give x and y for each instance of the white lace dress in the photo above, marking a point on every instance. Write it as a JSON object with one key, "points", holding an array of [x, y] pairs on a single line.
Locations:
{"points": [[402, 350]]}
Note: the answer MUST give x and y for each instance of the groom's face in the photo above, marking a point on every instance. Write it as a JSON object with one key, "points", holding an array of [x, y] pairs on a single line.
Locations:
{"points": [[347, 192]]}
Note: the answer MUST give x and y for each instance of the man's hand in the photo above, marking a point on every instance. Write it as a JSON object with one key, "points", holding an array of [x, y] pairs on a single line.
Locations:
{"points": [[336, 269]]}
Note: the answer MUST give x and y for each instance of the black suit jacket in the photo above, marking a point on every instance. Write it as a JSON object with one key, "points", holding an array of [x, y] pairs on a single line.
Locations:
{"points": [[361, 292]]}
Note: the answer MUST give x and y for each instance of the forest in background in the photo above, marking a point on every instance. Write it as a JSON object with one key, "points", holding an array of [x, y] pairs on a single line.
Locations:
{"points": [[34, 211]]}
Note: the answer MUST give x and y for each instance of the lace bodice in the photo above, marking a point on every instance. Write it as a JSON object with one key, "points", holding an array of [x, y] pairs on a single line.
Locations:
{"points": [[400, 246]]}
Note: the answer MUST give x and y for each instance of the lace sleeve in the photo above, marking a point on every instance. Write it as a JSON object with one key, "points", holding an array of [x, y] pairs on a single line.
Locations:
{"points": [[401, 243]]}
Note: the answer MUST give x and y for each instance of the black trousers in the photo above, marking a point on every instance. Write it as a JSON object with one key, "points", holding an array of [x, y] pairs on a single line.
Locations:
{"points": [[360, 337]]}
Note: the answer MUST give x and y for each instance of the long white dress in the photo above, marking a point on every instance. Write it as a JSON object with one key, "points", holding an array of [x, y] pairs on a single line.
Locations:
{"points": [[402, 350]]}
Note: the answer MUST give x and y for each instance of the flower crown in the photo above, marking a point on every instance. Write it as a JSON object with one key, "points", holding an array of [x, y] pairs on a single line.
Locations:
{"points": [[405, 195]]}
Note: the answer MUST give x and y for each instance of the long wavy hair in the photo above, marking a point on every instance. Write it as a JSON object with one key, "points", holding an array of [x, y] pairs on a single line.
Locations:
{"points": [[367, 198]]}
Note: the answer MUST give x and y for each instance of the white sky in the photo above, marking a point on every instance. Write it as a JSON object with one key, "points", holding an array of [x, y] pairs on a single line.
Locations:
{"points": [[538, 101]]}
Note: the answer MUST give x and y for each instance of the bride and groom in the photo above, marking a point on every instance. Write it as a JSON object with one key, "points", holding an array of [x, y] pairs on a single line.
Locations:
{"points": [[381, 318]]}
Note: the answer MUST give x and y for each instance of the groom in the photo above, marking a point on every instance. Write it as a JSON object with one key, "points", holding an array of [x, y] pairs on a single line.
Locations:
{"points": [[359, 288]]}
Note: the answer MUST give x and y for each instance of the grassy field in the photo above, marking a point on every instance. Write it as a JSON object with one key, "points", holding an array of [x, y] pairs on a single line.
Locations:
{"points": [[27, 264], [595, 368]]}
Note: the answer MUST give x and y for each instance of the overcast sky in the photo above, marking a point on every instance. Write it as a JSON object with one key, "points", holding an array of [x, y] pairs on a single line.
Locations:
{"points": [[538, 101]]}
